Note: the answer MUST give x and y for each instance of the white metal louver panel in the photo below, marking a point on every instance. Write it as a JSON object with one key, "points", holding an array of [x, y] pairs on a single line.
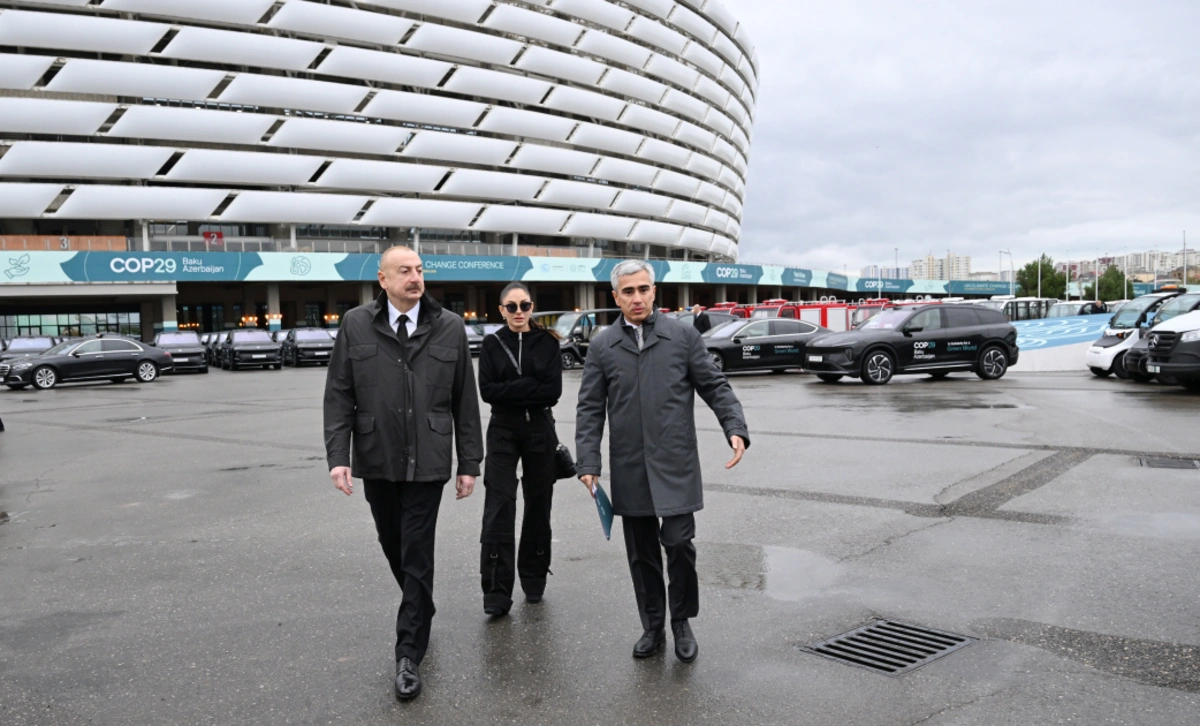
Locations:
{"points": [[79, 32], [723, 150], [376, 65], [244, 167], [578, 194], [311, 18], [747, 98], [710, 89], [729, 178], [125, 202], [704, 58], [632, 84], [607, 138], [739, 165], [516, 122], [676, 183], [734, 229], [658, 233], [464, 11], [492, 184], [494, 84], [672, 70], [635, 202], [727, 49], [718, 13], [601, 226], [389, 176], [657, 35], [546, 62], [20, 72], [689, 106], [733, 206], [742, 38], [739, 187], [459, 147], [111, 78], [26, 200], [650, 120], [585, 103], [664, 153], [696, 239], [705, 166], [239, 12], [716, 220], [458, 43], [690, 133], [692, 23], [253, 89], [743, 67], [554, 159], [730, 77], [361, 138], [499, 218], [243, 49], [627, 172], [61, 3], [43, 116], [661, 8], [532, 24], [740, 140], [88, 161], [718, 122], [424, 108], [599, 12], [687, 212], [288, 207], [734, 108], [192, 124], [421, 213], [613, 48], [710, 193]]}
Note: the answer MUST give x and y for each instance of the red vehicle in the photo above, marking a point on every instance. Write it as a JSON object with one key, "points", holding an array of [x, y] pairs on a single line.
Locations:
{"points": [[834, 315]]}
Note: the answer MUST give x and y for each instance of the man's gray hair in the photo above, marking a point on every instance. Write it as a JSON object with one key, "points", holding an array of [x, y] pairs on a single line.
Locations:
{"points": [[631, 267]]}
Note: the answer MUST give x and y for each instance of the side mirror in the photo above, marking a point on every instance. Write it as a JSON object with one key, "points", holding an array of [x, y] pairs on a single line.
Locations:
{"points": [[909, 330], [737, 341], [74, 354]]}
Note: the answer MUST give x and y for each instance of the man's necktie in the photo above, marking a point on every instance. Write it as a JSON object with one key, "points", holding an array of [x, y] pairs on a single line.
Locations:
{"points": [[402, 333], [637, 332]]}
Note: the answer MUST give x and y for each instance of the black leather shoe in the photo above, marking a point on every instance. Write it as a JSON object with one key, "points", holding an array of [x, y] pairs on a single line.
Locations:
{"points": [[533, 599], [649, 643], [408, 680], [495, 610], [686, 647]]}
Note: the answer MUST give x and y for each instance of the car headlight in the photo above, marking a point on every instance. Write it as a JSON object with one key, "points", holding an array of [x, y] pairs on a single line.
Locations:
{"points": [[1190, 336], [22, 366]]}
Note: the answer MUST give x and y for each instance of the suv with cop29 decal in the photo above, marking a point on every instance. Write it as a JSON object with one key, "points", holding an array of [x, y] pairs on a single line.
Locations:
{"points": [[934, 339]]}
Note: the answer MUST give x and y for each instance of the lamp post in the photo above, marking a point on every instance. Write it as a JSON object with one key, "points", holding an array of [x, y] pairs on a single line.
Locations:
{"points": [[1012, 272], [1041, 258]]}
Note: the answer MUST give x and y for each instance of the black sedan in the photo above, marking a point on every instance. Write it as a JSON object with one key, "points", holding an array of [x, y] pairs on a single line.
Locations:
{"points": [[933, 339], [92, 358], [24, 347], [186, 349], [249, 348], [754, 345], [303, 346], [474, 338]]}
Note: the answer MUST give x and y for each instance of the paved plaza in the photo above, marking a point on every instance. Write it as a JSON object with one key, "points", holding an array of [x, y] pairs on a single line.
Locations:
{"points": [[175, 553]]}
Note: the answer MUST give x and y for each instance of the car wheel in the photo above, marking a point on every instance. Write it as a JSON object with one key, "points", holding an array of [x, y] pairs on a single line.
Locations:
{"points": [[45, 377], [147, 371], [1119, 369], [718, 360], [878, 368], [993, 363], [1141, 377], [829, 377], [233, 366], [939, 375], [568, 361], [1100, 372]]}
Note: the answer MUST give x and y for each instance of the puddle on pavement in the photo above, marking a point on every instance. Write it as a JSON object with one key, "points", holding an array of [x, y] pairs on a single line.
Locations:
{"points": [[1159, 525], [3, 517], [902, 401], [783, 573]]}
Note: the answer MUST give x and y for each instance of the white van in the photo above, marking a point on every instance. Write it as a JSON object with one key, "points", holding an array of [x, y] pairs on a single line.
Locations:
{"points": [[1107, 355], [1175, 351]]}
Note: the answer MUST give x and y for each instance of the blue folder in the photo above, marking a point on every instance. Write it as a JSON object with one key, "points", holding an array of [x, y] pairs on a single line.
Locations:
{"points": [[604, 507]]}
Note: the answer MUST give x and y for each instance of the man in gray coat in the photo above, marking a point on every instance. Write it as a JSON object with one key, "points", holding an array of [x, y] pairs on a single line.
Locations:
{"points": [[644, 372], [400, 387]]}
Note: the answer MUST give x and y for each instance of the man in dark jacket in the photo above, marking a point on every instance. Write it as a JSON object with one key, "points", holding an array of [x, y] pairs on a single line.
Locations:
{"points": [[644, 372], [400, 387]]}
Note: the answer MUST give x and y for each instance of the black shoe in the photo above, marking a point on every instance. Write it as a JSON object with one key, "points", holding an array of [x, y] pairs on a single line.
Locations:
{"points": [[495, 611], [649, 643], [408, 680], [533, 599], [686, 648]]}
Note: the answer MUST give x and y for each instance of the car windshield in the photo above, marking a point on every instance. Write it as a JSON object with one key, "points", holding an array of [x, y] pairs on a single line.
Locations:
{"points": [[565, 324], [886, 320], [1133, 310], [179, 339], [765, 313], [1065, 310], [63, 347], [30, 344], [252, 336], [312, 335], [1175, 307]]}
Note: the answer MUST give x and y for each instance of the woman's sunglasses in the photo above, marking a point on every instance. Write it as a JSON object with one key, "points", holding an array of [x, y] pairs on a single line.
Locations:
{"points": [[525, 307]]}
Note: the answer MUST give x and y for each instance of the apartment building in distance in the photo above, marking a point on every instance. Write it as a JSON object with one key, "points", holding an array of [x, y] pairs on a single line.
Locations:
{"points": [[934, 268]]}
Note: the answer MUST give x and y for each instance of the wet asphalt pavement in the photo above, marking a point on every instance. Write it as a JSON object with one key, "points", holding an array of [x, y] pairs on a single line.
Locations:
{"points": [[175, 553]]}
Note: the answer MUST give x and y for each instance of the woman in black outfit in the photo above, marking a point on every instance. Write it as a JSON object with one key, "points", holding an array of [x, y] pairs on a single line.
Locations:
{"points": [[520, 374]]}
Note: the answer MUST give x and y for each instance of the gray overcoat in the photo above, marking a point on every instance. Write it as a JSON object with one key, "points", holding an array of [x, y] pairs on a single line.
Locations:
{"points": [[649, 396]]}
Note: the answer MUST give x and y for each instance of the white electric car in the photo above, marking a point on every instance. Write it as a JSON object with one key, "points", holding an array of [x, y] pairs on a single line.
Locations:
{"points": [[1107, 355]]}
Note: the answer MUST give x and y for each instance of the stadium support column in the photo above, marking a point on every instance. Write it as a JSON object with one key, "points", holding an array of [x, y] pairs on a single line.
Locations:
{"points": [[331, 306], [366, 293], [249, 308], [585, 295], [291, 239], [145, 236], [752, 294], [685, 296], [721, 293], [416, 241], [514, 245], [170, 321], [274, 311]]}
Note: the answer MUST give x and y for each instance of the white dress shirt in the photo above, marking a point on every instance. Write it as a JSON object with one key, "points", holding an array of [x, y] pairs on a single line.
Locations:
{"points": [[394, 315]]}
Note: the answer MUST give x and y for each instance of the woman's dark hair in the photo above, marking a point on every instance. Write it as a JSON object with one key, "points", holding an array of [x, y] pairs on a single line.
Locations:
{"points": [[533, 323]]}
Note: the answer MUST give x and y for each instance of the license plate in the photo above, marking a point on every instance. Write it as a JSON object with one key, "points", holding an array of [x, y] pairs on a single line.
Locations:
{"points": [[322, 352], [816, 359], [259, 355], [182, 360], [1153, 369]]}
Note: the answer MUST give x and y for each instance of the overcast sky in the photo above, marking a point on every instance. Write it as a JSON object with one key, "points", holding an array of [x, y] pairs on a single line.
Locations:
{"points": [[1067, 126]]}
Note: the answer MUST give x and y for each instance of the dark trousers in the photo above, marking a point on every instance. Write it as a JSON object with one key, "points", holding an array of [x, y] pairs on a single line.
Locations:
{"points": [[645, 539], [511, 439], [406, 519]]}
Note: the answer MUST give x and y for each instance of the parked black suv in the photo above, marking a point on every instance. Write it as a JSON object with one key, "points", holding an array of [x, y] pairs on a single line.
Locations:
{"points": [[94, 357], [249, 347], [933, 339], [186, 349], [306, 345]]}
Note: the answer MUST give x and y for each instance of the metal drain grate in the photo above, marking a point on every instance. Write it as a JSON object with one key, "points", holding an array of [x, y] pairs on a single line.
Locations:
{"points": [[889, 646], [1151, 462]]}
